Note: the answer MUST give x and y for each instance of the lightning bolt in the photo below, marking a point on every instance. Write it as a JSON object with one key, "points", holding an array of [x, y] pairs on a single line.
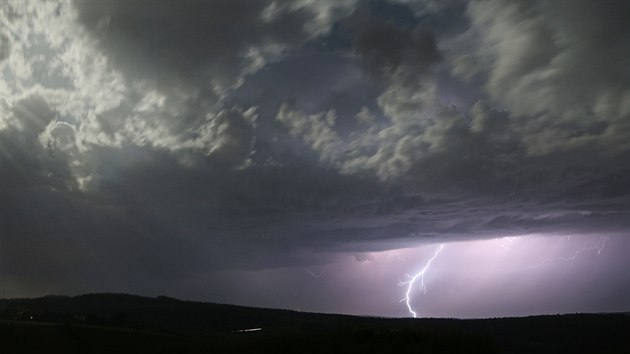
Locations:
{"points": [[395, 254], [419, 277], [597, 248], [314, 274]]}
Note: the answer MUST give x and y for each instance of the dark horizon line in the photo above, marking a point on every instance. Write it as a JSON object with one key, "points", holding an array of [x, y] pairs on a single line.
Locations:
{"points": [[165, 297]]}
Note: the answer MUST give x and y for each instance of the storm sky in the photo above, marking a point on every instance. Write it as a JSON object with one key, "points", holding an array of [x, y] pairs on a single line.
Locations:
{"points": [[311, 154]]}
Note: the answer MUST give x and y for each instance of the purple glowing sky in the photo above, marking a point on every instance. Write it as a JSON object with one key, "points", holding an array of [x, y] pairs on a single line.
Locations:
{"points": [[510, 276]]}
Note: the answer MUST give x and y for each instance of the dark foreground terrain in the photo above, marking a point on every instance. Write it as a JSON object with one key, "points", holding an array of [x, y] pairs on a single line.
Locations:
{"points": [[115, 323]]}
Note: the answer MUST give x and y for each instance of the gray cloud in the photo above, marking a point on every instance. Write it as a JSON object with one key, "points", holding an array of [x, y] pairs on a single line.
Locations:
{"points": [[402, 61], [316, 130], [385, 49], [479, 154], [5, 46], [562, 66], [198, 41], [426, 7], [122, 73]]}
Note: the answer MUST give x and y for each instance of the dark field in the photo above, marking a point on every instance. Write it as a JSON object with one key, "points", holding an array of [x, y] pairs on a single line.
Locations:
{"points": [[110, 323]]}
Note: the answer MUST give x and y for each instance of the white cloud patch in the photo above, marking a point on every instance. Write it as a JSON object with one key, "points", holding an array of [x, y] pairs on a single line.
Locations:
{"points": [[108, 82], [317, 130]]}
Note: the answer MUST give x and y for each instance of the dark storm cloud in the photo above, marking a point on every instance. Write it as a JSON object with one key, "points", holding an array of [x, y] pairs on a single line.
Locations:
{"points": [[383, 48], [212, 43], [503, 154], [173, 222], [160, 148], [192, 54]]}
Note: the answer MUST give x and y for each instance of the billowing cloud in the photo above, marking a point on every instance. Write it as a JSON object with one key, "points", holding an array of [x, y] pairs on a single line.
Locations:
{"points": [[317, 130], [559, 66], [402, 61], [121, 73]]}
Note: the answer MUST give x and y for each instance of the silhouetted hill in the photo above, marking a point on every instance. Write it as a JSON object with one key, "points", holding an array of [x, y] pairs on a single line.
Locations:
{"points": [[120, 323], [144, 312]]}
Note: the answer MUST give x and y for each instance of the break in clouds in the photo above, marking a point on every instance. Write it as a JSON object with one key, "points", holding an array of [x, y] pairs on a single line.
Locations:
{"points": [[145, 142]]}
